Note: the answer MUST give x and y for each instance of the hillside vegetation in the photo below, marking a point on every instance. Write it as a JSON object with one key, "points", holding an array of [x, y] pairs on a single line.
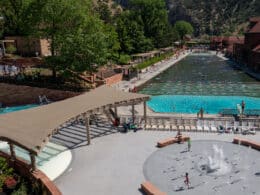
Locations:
{"points": [[212, 17]]}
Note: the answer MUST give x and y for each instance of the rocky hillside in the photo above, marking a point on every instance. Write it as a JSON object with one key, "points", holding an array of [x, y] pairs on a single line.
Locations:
{"points": [[212, 17]]}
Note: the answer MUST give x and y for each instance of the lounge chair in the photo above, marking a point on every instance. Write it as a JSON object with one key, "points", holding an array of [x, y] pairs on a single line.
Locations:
{"points": [[167, 127], [199, 125], [193, 125], [206, 127]]}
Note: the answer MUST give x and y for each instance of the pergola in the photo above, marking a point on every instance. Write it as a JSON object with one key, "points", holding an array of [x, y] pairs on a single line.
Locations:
{"points": [[31, 129]]}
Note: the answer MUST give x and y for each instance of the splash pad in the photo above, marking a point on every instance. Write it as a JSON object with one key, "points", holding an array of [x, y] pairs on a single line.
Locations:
{"points": [[214, 167]]}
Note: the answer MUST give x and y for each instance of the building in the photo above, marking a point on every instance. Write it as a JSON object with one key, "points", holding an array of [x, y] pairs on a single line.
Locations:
{"points": [[225, 44], [29, 46], [248, 52]]}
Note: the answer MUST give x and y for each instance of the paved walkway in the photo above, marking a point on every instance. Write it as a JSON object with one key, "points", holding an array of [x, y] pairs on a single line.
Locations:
{"points": [[113, 164], [150, 72]]}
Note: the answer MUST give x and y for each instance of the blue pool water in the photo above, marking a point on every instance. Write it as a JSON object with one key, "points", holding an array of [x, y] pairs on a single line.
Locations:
{"points": [[201, 81], [16, 108], [192, 104]]}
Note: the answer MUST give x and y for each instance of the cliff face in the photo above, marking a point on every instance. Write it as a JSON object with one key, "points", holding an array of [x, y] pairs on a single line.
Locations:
{"points": [[212, 17]]}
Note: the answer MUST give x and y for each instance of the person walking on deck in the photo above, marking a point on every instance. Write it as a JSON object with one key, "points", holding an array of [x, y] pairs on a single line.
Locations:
{"points": [[243, 105], [189, 144], [187, 180]]}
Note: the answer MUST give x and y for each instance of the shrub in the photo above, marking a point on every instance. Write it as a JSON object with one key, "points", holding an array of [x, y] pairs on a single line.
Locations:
{"points": [[152, 61], [22, 190], [123, 59], [10, 49]]}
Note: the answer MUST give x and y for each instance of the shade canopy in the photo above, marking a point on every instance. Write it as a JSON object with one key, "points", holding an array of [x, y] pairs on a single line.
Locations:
{"points": [[31, 128]]}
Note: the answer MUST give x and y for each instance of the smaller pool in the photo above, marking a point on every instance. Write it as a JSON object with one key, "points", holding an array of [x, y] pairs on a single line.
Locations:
{"points": [[192, 104], [17, 108]]}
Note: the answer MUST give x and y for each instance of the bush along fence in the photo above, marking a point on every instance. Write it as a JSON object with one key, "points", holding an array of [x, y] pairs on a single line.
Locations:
{"points": [[153, 60]]}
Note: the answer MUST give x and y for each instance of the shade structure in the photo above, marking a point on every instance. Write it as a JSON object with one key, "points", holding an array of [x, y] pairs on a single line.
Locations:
{"points": [[32, 128]]}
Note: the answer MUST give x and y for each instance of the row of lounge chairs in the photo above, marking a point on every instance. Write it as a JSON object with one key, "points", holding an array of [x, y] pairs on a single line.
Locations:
{"points": [[247, 112], [198, 125], [207, 126]]}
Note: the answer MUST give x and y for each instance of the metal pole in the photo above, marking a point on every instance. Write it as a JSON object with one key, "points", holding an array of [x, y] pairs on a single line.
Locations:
{"points": [[33, 165], [116, 110], [87, 130], [145, 114], [12, 152], [133, 112]]}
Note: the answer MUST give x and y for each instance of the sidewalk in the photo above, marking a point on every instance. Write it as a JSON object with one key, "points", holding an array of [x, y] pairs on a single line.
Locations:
{"points": [[149, 73]]}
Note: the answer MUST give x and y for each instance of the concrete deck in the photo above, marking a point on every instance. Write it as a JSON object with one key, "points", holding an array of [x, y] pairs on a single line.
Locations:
{"points": [[150, 72], [113, 164]]}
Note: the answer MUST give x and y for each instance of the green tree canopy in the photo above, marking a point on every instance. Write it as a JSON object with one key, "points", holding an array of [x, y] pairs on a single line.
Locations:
{"points": [[20, 17], [80, 41], [183, 28], [154, 18], [131, 34]]}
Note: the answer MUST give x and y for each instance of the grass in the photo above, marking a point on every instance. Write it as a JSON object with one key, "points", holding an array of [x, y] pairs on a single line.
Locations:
{"points": [[152, 61]]}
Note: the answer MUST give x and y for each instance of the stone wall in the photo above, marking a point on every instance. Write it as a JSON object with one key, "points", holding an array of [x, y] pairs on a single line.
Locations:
{"points": [[114, 79], [13, 95]]}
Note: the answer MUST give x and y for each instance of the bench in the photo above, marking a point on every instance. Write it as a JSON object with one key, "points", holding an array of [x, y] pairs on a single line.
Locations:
{"points": [[150, 189], [172, 140], [244, 142]]}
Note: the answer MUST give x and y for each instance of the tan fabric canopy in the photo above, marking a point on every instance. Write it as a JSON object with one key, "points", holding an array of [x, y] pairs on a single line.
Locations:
{"points": [[31, 128]]}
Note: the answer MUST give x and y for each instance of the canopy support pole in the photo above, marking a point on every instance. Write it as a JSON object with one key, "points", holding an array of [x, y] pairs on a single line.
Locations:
{"points": [[87, 130], [145, 114], [133, 112], [116, 110], [12, 152], [33, 164]]}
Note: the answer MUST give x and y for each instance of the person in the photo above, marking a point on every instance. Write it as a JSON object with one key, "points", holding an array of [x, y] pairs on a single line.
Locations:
{"points": [[189, 144], [179, 136], [243, 106], [125, 126], [187, 180], [201, 112]]}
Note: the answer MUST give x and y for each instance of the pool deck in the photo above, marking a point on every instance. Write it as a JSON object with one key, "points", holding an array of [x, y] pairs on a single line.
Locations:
{"points": [[113, 164], [150, 73]]}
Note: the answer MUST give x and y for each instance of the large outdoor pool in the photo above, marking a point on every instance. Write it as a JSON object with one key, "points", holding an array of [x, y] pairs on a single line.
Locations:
{"points": [[204, 81]]}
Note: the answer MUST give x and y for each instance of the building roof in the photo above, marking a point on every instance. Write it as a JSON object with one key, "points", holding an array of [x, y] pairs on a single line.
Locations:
{"points": [[255, 19], [216, 39], [32, 128], [233, 39], [255, 28], [257, 48]]}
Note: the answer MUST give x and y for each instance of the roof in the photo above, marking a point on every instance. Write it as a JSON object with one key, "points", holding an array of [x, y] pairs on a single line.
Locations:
{"points": [[216, 39], [255, 19], [255, 28], [233, 39], [148, 54], [257, 48], [31, 128]]}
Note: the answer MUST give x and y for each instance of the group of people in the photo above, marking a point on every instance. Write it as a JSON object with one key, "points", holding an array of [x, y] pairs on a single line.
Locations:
{"points": [[129, 126]]}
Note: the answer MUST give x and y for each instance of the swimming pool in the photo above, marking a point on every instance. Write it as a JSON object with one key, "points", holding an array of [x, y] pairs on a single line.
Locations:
{"points": [[191, 104], [17, 108], [205, 81]]}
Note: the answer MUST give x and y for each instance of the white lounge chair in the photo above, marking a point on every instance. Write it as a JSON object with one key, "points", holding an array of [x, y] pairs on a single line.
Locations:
{"points": [[206, 127], [213, 126], [199, 126]]}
